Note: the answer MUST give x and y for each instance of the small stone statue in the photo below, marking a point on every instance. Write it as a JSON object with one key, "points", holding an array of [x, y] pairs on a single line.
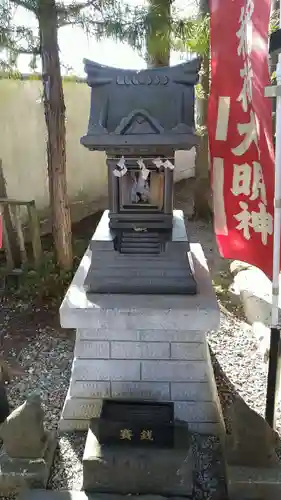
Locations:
{"points": [[23, 431], [252, 441]]}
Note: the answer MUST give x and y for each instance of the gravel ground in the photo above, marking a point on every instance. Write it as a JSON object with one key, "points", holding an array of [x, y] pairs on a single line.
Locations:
{"points": [[34, 341]]}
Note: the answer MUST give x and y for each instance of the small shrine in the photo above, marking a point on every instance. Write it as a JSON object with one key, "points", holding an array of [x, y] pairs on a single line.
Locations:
{"points": [[142, 299], [140, 118]]}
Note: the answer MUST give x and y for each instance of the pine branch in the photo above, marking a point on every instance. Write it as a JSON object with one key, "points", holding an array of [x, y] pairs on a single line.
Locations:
{"points": [[26, 4], [34, 51], [75, 8], [88, 10]]}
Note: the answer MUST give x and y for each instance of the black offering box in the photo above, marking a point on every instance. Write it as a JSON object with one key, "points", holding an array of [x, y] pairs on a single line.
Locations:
{"points": [[135, 423]]}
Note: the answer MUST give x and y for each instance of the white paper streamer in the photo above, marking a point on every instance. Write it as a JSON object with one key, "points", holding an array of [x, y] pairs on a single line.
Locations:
{"points": [[160, 163], [122, 168], [168, 164], [144, 171]]}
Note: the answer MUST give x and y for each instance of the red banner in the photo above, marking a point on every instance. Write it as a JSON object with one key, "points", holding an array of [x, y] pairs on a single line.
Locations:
{"points": [[240, 131]]}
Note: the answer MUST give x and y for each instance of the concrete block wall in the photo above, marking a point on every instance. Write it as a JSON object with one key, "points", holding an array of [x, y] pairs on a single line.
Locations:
{"points": [[124, 364]]}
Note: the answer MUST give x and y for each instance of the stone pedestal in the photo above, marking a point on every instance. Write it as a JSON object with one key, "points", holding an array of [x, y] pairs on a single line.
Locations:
{"points": [[148, 262], [143, 346], [147, 471]]}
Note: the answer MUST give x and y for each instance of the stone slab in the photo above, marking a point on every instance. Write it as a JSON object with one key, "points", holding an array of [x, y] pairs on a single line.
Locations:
{"points": [[188, 411], [190, 391], [161, 471], [140, 350], [119, 349], [195, 411], [202, 428], [106, 369], [253, 483], [17, 474], [155, 335], [77, 408], [158, 391], [104, 235], [174, 371], [195, 351], [134, 370], [92, 349], [89, 389], [147, 390], [80, 495]]}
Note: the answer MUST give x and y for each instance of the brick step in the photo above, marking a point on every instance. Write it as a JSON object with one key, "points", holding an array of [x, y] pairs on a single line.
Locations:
{"points": [[140, 235], [132, 272], [137, 250], [149, 286], [164, 257], [141, 242], [151, 261]]}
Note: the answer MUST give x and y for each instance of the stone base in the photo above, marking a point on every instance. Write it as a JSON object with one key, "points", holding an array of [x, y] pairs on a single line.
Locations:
{"points": [[19, 473], [150, 347], [123, 470], [253, 483], [146, 263]]}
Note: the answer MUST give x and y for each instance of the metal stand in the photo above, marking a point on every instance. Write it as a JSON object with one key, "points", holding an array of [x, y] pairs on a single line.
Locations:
{"points": [[4, 404], [273, 377], [274, 354]]}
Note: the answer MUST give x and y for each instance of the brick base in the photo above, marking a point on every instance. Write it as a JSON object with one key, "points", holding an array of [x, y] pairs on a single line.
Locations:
{"points": [[143, 346]]}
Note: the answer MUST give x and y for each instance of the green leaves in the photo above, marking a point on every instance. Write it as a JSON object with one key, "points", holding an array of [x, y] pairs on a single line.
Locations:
{"points": [[192, 34], [154, 28], [99, 18], [14, 39], [274, 21]]}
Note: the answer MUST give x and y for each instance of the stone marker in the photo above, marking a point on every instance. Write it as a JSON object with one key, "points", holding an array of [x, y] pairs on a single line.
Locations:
{"points": [[28, 450], [253, 469], [253, 289]]}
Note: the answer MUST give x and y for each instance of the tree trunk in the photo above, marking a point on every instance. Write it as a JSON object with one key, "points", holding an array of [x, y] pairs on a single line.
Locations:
{"points": [[54, 109], [275, 7], [202, 207], [158, 38]]}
